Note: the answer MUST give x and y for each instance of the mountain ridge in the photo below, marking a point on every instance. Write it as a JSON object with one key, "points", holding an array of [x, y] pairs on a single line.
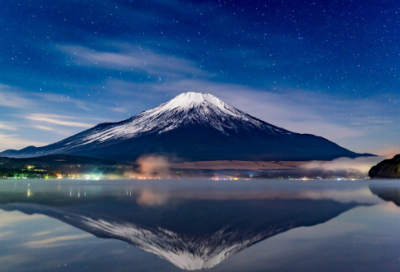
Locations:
{"points": [[192, 127]]}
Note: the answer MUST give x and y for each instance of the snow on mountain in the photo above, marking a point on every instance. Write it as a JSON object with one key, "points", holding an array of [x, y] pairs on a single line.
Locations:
{"points": [[186, 108], [193, 127]]}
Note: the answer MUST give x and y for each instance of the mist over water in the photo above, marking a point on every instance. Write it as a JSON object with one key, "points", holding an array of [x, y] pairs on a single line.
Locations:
{"points": [[361, 164], [153, 166]]}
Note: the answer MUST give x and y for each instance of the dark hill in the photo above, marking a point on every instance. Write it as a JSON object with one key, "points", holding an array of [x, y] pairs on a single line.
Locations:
{"points": [[386, 169]]}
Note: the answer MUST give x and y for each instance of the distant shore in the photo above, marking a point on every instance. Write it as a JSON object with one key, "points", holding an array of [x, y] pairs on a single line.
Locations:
{"points": [[239, 165]]}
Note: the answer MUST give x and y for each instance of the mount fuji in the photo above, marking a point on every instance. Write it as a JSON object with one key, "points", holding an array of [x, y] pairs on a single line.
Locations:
{"points": [[192, 127]]}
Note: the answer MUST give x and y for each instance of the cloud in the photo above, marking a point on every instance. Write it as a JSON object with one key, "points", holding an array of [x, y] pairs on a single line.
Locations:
{"points": [[13, 141], [44, 128], [362, 164], [41, 233], [134, 59], [57, 120], [153, 165], [62, 99], [118, 109], [9, 219], [23, 99], [6, 235], [8, 98], [56, 241], [7, 126]]}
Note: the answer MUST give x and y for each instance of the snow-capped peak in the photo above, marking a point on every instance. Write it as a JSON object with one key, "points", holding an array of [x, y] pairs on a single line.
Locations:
{"points": [[192, 99], [185, 109]]}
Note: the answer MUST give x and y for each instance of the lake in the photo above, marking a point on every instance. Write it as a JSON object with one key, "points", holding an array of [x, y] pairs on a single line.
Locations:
{"points": [[175, 225]]}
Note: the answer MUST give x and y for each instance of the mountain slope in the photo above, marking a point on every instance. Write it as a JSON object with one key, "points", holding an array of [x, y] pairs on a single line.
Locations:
{"points": [[192, 127]]}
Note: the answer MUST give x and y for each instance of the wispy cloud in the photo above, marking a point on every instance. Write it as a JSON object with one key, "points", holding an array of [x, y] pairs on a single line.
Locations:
{"points": [[8, 98], [57, 120], [6, 235], [43, 128], [10, 219], [62, 99], [133, 59], [7, 126], [14, 141], [362, 164], [118, 109], [14, 97], [56, 241]]}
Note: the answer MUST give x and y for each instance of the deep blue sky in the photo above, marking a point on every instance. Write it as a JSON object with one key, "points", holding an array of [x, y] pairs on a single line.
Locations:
{"points": [[322, 67]]}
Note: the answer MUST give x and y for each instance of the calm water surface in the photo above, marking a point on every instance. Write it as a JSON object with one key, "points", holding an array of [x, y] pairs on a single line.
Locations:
{"points": [[198, 224]]}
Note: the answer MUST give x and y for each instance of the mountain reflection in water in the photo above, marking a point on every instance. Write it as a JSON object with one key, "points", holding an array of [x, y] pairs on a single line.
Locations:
{"points": [[387, 192], [191, 225]]}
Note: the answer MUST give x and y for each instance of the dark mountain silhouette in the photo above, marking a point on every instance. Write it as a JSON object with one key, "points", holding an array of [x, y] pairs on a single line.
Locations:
{"points": [[192, 127], [386, 169], [387, 192]]}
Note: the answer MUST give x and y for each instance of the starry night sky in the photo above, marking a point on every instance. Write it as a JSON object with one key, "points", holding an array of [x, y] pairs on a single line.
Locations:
{"points": [[322, 67]]}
